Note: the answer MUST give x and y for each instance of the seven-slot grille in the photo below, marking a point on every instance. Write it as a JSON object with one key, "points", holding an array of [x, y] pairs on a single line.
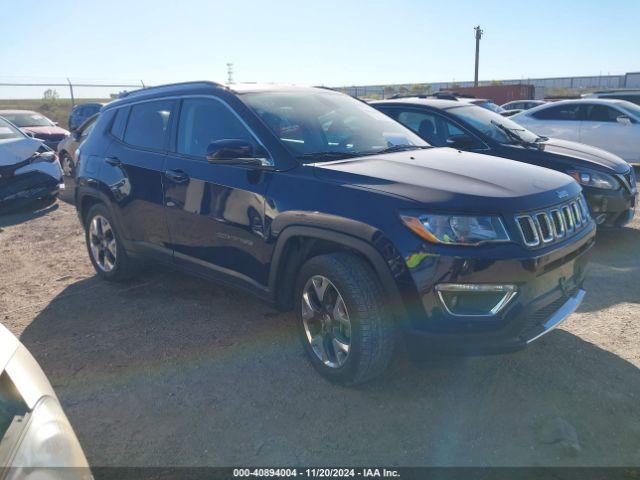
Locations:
{"points": [[553, 224]]}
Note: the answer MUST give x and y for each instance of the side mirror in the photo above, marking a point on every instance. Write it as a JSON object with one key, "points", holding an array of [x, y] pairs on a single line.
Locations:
{"points": [[623, 120], [461, 141], [235, 151], [29, 134]]}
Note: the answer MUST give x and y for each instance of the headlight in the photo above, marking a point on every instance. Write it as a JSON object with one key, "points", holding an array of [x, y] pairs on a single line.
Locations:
{"points": [[457, 229], [594, 179]]}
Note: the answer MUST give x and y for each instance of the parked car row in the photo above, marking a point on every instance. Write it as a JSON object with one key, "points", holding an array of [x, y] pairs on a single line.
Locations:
{"points": [[608, 182]]}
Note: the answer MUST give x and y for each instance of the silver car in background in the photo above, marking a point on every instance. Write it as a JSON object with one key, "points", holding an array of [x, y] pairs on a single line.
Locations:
{"points": [[36, 439]]}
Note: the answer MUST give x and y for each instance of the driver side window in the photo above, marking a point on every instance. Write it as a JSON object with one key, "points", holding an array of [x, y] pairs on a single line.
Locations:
{"points": [[433, 128], [204, 121]]}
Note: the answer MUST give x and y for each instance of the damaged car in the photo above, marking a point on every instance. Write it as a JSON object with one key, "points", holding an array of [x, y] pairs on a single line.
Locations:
{"points": [[29, 170]]}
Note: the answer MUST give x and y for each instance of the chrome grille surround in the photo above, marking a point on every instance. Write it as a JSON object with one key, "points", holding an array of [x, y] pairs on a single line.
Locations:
{"points": [[550, 225]]}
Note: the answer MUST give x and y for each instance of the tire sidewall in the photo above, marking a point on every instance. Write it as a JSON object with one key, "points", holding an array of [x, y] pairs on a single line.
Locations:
{"points": [[344, 373], [101, 210]]}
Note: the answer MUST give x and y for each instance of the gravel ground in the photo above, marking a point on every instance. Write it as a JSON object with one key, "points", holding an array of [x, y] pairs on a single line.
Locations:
{"points": [[169, 370]]}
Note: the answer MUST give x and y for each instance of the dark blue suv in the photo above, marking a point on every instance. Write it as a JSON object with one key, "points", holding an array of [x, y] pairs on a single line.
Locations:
{"points": [[319, 203]]}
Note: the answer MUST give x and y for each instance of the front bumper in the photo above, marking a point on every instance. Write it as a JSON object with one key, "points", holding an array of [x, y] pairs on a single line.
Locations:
{"points": [[611, 208], [23, 189], [549, 289]]}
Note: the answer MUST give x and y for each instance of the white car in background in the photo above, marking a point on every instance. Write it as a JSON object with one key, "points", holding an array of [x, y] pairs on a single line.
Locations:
{"points": [[613, 125], [36, 439]]}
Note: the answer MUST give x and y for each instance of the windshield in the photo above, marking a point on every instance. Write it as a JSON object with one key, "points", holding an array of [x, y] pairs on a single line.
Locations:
{"points": [[493, 125], [8, 131], [28, 119], [317, 124]]}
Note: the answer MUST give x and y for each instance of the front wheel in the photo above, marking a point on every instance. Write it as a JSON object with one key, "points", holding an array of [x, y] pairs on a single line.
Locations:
{"points": [[343, 327]]}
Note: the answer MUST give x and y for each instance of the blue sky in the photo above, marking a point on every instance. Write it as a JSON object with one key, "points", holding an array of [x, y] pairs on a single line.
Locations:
{"points": [[323, 42]]}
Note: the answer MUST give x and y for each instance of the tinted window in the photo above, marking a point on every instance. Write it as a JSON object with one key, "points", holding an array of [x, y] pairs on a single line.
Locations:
{"points": [[431, 127], [148, 124], [203, 121], [602, 113], [559, 112], [117, 128]]}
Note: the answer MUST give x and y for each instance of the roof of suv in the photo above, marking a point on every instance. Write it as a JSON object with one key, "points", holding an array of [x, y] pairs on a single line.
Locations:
{"points": [[203, 85]]}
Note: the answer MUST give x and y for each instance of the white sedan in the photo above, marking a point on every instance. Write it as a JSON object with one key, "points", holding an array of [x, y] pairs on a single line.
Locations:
{"points": [[612, 125]]}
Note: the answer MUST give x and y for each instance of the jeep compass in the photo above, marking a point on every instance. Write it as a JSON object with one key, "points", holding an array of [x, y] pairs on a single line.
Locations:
{"points": [[323, 205]]}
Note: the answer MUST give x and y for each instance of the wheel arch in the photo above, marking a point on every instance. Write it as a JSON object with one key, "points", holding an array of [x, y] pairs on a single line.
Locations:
{"points": [[296, 244]]}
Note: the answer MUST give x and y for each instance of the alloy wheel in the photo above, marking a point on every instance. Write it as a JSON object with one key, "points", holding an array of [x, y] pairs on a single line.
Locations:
{"points": [[102, 242], [326, 321]]}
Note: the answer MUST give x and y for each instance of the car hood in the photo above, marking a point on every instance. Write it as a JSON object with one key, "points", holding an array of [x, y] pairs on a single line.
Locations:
{"points": [[16, 150], [592, 155], [48, 130], [448, 179]]}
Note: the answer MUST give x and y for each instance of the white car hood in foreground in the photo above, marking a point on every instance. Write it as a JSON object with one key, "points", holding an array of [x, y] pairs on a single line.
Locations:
{"points": [[16, 150]]}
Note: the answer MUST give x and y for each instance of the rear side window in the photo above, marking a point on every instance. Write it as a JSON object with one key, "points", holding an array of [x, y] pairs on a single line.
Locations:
{"points": [[602, 113], [203, 121], [117, 127], [148, 123], [559, 112]]}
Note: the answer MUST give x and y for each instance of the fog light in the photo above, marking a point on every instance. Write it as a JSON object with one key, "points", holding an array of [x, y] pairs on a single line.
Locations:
{"points": [[468, 299]]}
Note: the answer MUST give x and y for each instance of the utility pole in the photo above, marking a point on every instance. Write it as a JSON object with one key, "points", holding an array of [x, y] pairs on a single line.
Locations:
{"points": [[229, 73], [479, 33]]}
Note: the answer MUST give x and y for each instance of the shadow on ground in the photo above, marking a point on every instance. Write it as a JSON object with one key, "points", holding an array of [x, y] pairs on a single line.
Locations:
{"points": [[169, 370], [24, 214]]}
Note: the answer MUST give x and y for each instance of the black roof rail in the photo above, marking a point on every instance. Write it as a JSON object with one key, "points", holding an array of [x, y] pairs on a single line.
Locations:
{"points": [[140, 91]]}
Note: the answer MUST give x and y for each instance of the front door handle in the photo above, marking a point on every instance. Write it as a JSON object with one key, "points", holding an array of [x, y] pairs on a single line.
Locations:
{"points": [[176, 176], [113, 161]]}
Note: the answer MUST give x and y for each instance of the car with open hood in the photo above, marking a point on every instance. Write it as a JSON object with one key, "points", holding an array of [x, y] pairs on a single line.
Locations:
{"points": [[36, 125], [321, 204], [608, 182], [29, 170]]}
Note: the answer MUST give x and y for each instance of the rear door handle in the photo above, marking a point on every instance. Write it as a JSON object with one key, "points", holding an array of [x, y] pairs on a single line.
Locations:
{"points": [[177, 176], [114, 161]]}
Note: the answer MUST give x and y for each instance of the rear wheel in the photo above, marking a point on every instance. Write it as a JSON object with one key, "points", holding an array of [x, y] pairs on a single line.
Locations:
{"points": [[342, 324], [107, 254]]}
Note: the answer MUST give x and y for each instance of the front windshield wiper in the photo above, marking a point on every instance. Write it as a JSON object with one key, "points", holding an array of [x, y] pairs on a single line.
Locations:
{"points": [[401, 148], [511, 133], [327, 156]]}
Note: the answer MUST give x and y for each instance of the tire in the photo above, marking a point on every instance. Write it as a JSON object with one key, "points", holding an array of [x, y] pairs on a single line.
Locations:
{"points": [[68, 167], [114, 267], [371, 334]]}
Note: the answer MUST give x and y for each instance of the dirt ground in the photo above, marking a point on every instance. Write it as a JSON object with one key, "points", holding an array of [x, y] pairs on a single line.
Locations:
{"points": [[169, 370]]}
